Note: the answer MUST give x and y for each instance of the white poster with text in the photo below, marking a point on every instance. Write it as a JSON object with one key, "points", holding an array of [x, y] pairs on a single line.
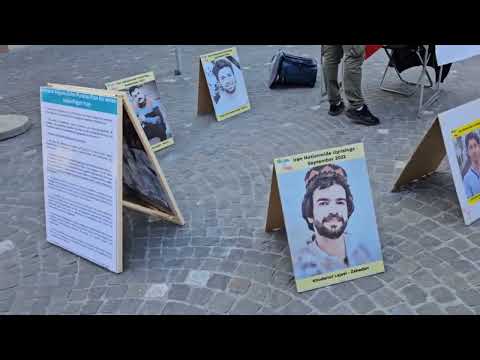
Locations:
{"points": [[81, 174]]}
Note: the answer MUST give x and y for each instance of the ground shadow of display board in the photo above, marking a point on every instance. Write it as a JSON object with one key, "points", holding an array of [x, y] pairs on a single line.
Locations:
{"points": [[455, 132], [96, 159], [221, 86], [324, 201], [145, 99]]}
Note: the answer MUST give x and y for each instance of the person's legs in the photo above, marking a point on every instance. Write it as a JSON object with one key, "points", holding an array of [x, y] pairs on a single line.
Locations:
{"points": [[352, 80], [332, 56], [352, 77]]}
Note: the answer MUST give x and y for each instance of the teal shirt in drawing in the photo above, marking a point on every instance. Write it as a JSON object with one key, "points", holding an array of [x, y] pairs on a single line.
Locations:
{"points": [[311, 260], [471, 182]]}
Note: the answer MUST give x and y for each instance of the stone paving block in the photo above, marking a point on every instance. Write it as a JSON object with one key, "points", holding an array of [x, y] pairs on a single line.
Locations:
{"points": [[429, 309], [463, 266], [400, 309], [221, 303], [198, 278], [414, 294], [341, 310], [157, 291], [178, 292], [472, 254], [78, 295], [459, 310], [218, 281], [200, 296], [424, 279], [239, 285], [296, 308], [96, 292], [442, 295], [469, 297], [137, 290], [152, 307], [446, 253], [368, 284], [245, 307], [386, 297], [459, 245], [129, 306], [344, 291], [91, 307], [362, 304], [175, 308], [110, 307], [116, 291], [278, 299], [324, 301]]}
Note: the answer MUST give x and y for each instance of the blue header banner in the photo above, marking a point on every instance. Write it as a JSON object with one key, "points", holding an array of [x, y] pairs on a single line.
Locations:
{"points": [[92, 102]]}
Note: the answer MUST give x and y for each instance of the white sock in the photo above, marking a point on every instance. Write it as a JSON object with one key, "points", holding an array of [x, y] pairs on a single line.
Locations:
{"points": [[360, 108]]}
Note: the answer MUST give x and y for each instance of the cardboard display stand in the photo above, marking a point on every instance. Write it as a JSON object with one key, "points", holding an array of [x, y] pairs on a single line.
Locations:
{"points": [[425, 159], [221, 86], [455, 133], [96, 159], [323, 199]]}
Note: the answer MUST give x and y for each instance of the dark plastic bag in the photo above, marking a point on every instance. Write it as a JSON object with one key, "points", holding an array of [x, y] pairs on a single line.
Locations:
{"points": [[293, 70]]}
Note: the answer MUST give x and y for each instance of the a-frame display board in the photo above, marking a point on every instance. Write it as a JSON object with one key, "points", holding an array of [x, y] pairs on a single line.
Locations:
{"points": [[96, 159]]}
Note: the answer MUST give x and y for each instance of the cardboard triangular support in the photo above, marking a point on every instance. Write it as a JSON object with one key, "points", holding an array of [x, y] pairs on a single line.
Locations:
{"points": [[129, 115], [205, 104], [425, 159], [275, 219]]}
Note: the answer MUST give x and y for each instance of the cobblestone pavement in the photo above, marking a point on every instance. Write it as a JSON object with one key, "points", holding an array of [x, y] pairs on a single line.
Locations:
{"points": [[222, 261]]}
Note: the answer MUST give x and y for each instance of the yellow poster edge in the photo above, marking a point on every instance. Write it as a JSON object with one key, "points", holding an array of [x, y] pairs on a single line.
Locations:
{"points": [[121, 84], [162, 145], [233, 113], [336, 277], [218, 54], [466, 129], [320, 157]]}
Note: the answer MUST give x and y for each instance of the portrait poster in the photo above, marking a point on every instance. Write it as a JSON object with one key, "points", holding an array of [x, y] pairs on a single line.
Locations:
{"points": [[226, 84], [460, 129], [81, 137], [329, 216], [145, 99]]}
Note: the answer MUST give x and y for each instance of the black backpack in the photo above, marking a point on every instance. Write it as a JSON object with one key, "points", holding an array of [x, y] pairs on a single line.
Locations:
{"points": [[293, 70]]}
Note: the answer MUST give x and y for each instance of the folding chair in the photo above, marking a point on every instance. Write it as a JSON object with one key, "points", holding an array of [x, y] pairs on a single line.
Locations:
{"points": [[429, 51], [389, 49]]}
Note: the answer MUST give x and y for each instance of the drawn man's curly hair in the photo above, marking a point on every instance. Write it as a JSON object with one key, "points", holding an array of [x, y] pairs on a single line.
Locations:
{"points": [[323, 177], [220, 64]]}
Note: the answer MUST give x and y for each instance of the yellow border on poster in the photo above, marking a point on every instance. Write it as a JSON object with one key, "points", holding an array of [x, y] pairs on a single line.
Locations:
{"points": [[126, 83], [233, 112], [473, 200], [219, 54], [162, 145], [316, 158], [336, 277]]}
